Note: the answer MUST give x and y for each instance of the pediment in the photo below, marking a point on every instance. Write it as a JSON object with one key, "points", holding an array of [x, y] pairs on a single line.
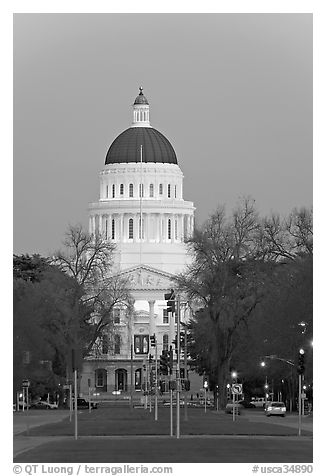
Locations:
{"points": [[147, 278]]}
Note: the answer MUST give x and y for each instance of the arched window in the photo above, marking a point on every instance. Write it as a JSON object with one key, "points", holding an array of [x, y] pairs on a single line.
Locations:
{"points": [[100, 379], [131, 229], [117, 344], [131, 190], [116, 315], [121, 189], [107, 191], [166, 342], [138, 379], [169, 190], [160, 189], [176, 229], [169, 229], [175, 191], [113, 191], [151, 190], [141, 189], [113, 230], [106, 229]]}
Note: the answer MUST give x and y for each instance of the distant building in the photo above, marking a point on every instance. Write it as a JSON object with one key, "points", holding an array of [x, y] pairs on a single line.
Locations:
{"points": [[142, 210]]}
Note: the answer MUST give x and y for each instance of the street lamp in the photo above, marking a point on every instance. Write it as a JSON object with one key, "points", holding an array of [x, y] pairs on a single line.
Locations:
{"points": [[266, 387], [234, 375]]}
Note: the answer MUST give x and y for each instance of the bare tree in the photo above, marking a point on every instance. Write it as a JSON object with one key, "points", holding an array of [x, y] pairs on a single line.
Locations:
{"points": [[226, 280], [88, 259], [290, 237], [235, 262]]}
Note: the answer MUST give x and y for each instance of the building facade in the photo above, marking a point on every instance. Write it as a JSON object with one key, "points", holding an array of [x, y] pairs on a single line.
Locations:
{"points": [[142, 210]]}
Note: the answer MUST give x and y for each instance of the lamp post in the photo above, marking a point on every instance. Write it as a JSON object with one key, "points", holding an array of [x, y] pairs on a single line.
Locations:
{"points": [[286, 361], [234, 376], [300, 375], [266, 386]]}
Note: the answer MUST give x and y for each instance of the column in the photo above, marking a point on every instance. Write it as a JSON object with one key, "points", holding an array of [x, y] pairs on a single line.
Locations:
{"points": [[157, 227], [109, 227], [147, 230], [163, 220], [94, 224], [121, 227], [172, 217], [152, 325], [160, 228], [100, 217], [90, 225], [135, 219]]}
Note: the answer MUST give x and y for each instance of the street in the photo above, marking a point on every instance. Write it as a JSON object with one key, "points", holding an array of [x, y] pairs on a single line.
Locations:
{"points": [[121, 435]]}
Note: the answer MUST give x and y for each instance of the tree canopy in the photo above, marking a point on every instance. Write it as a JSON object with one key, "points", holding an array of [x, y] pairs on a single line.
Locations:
{"points": [[240, 263]]}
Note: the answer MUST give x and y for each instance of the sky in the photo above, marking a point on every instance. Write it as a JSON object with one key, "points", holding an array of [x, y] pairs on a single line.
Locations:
{"points": [[231, 92]]}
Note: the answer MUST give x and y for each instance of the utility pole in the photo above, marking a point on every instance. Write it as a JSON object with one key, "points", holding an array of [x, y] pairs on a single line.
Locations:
{"points": [[156, 403], [74, 369], [171, 394], [131, 377], [186, 375], [178, 367]]}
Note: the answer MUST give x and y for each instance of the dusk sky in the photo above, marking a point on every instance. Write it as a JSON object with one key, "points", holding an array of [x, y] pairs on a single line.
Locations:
{"points": [[232, 93]]}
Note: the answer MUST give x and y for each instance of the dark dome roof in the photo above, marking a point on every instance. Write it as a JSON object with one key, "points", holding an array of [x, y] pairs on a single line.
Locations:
{"points": [[126, 147], [140, 99]]}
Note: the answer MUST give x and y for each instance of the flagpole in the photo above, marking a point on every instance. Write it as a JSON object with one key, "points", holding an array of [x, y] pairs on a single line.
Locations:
{"points": [[141, 202]]}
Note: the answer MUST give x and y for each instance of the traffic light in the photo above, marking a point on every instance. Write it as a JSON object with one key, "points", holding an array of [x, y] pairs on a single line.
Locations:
{"points": [[150, 358], [205, 383], [153, 340], [170, 298], [164, 362], [175, 342], [182, 339], [301, 367], [170, 361], [187, 385]]}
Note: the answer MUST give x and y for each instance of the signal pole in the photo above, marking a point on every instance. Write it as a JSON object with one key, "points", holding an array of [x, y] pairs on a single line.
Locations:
{"points": [[186, 376], [156, 405], [178, 367], [171, 394], [301, 368]]}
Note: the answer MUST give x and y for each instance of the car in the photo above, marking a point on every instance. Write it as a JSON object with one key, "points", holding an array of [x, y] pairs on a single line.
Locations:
{"points": [[83, 404], [246, 404], [237, 408], [275, 408], [258, 402], [44, 405]]}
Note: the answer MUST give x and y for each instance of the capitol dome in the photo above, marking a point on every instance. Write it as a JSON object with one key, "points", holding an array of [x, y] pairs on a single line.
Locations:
{"points": [[126, 147]]}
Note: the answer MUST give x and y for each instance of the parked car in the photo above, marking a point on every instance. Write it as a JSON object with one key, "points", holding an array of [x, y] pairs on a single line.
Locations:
{"points": [[237, 408], [275, 408], [258, 402], [44, 405], [83, 404], [246, 404]]}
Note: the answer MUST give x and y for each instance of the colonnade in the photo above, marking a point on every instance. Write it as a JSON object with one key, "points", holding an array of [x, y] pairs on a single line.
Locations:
{"points": [[157, 227]]}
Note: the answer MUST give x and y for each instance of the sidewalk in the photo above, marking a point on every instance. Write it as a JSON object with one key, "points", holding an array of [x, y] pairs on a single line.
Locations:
{"points": [[23, 422]]}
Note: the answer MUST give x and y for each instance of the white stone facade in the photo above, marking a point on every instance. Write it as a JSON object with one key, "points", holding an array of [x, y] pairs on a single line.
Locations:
{"points": [[166, 218], [141, 209]]}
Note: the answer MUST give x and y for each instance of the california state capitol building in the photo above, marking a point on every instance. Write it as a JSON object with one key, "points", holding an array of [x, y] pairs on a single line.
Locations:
{"points": [[141, 209]]}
